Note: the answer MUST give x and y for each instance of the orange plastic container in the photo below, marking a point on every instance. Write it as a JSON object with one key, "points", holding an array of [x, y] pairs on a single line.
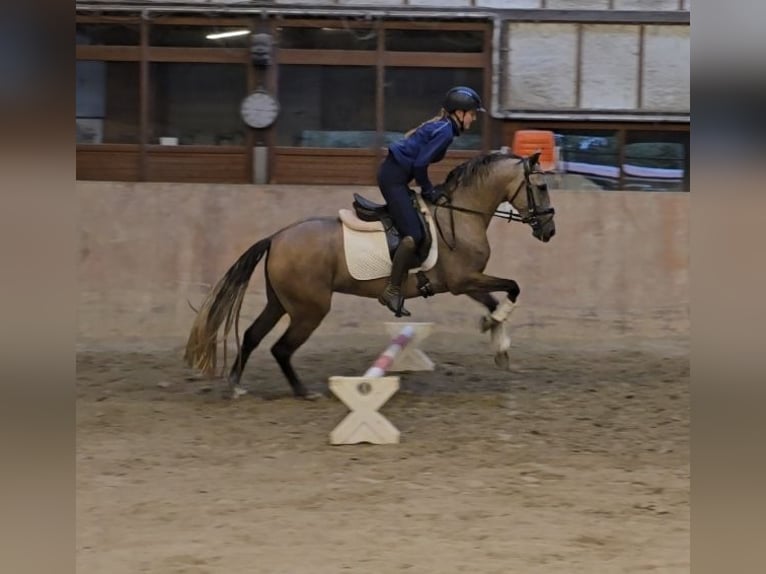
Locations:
{"points": [[527, 142]]}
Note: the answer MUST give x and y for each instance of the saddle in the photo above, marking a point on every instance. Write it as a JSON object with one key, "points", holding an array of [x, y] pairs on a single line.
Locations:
{"points": [[368, 210]]}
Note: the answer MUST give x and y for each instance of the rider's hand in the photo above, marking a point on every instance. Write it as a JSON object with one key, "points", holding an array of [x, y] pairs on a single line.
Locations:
{"points": [[437, 196]]}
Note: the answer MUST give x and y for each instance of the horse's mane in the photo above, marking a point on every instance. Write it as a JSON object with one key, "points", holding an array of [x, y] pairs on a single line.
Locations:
{"points": [[473, 171]]}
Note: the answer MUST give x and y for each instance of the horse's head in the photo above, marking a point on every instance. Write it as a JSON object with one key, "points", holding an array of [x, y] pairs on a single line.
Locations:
{"points": [[531, 199]]}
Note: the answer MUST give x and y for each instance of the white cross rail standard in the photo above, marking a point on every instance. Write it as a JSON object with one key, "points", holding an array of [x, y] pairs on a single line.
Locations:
{"points": [[366, 394]]}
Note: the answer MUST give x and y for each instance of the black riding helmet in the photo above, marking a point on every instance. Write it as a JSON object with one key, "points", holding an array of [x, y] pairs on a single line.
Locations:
{"points": [[462, 98]]}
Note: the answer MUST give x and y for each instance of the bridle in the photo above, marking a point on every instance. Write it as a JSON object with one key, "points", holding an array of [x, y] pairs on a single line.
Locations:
{"points": [[534, 213], [532, 217]]}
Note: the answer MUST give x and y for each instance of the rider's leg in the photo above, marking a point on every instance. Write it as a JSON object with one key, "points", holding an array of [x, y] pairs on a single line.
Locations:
{"points": [[393, 180], [404, 259], [402, 211]]}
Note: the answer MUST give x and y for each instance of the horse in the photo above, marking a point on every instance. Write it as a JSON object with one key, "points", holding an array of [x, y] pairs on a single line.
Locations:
{"points": [[306, 264]]}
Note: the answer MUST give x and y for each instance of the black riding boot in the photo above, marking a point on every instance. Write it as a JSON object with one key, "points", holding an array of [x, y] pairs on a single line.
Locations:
{"points": [[404, 259]]}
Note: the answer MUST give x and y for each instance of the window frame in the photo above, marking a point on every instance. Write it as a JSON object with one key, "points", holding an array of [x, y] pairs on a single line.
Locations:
{"points": [[155, 160], [380, 59]]}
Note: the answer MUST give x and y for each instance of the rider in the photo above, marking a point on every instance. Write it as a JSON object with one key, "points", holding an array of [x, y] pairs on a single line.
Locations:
{"points": [[409, 159]]}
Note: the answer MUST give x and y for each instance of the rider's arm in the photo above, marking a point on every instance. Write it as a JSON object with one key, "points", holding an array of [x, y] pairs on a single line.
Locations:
{"points": [[432, 150]]}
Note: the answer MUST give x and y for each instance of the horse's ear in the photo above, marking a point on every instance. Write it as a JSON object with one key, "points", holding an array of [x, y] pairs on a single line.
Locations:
{"points": [[534, 159]]}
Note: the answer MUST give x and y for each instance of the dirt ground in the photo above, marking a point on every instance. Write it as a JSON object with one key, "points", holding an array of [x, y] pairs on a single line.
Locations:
{"points": [[574, 461]]}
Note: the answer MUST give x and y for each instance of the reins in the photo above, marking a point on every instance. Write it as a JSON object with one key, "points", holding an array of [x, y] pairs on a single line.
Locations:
{"points": [[532, 216]]}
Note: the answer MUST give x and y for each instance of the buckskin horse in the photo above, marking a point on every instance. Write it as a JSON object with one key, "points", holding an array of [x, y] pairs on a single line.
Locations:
{"points": [[306, 264]]}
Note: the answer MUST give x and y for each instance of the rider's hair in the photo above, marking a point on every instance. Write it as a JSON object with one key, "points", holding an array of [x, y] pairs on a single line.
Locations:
{"points": [[440, 116]]}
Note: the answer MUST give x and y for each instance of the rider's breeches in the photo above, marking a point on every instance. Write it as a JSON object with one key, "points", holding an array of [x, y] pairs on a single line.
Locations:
{"points": [[393, 180]]}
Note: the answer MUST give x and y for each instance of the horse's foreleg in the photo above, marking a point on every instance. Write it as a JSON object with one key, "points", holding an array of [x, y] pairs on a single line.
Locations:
{"points": [[477, 285], [494, 320], [491, 304]]}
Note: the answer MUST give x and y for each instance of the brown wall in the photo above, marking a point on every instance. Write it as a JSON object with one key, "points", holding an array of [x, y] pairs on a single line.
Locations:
{"points": [[617, 267]]}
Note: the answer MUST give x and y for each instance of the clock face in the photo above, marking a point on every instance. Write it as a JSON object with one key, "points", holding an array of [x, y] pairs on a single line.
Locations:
{"points": [[259, 109]]}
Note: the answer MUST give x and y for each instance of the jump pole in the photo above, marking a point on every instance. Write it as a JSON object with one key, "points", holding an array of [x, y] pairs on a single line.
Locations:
{"points": [[366, 394]]}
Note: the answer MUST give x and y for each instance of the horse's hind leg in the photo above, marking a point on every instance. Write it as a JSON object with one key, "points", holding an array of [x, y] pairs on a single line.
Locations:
{"points": [[303, 321], [253, 336]]}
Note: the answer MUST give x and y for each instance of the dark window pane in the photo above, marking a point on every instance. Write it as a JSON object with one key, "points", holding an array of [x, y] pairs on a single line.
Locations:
{"points": [[413, 95], [107, 102], [197, 36], [328, 38], [656, 161], [199, 104], [108, 34], [589, 159], [434, 40], [326, 106]]}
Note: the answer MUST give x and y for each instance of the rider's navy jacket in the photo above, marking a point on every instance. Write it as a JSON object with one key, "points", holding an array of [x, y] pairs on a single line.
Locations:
{"points": [[425, 146]]}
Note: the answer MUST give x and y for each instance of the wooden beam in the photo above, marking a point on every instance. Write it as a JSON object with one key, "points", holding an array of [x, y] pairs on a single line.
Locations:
{"points": [[327, 57], [486, 123], [380, 92], [87, 19], [621, 156], [434, 60], [108, 53], [199, 55], [144, 103], [640, 79]]}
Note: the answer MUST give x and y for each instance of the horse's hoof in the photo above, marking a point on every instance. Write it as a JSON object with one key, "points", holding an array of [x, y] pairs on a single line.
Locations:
{"points": [[503, 360]]}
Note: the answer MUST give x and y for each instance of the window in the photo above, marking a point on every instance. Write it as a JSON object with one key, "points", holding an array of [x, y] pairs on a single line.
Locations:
{"points": [[326, 106], [197, 36], [435, 41], [197, 104], [108, 34], [589, 158], [413, 95], [650, 160], [107, 102], [326, 38], [656, 161]]}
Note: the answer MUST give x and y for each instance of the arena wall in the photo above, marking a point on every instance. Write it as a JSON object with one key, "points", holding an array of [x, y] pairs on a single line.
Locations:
{"points": [[618, 266]]}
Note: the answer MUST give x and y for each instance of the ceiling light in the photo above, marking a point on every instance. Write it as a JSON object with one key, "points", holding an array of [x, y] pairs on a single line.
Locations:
{"points": [[230, 34]]}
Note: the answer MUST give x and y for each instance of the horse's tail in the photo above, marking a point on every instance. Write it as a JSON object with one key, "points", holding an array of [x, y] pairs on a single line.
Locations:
{"points": [[222, 307]]}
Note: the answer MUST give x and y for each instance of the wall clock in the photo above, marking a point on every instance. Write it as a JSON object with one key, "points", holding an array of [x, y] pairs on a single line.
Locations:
{"points": [[260, 109]]}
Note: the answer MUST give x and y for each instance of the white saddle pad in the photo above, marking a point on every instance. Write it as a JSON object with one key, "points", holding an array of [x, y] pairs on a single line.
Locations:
{"points": [[366, 249]]}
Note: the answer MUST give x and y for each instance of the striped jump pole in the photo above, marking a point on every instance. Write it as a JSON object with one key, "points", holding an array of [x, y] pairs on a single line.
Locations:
{"points": [[384, 361], [366, 394]]}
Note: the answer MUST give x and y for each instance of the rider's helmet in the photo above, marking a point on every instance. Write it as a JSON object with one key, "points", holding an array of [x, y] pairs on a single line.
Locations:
{"points": [[462, 98]]}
